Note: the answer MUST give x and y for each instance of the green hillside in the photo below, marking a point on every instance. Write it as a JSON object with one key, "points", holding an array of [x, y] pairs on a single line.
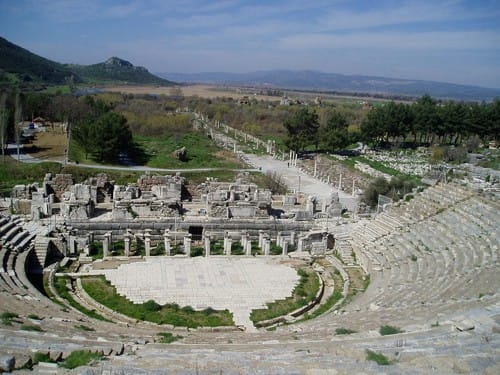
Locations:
{"points": [[22, 68], [116, 70]]}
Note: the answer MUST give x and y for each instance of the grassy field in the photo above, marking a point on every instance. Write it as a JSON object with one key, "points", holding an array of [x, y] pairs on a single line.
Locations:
{"points": [[103, 292], [302, 294], [201, 152]]}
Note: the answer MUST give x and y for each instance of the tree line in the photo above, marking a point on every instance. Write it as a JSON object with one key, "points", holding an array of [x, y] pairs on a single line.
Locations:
{"points": [[428, 122], [424, 122]]}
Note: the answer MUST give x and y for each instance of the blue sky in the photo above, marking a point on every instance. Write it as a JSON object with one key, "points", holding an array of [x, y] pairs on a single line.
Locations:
{"points": [[442, 40]]}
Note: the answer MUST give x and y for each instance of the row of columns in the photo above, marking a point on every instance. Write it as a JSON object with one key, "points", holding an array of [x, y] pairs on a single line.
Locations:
{"points": [[293, 159], [246, 243]]}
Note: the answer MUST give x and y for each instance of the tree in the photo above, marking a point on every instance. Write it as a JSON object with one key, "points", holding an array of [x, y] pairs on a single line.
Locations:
{"points": [[334, 134], [426, 116], [302, 130], [105, 138], [373, 126]]}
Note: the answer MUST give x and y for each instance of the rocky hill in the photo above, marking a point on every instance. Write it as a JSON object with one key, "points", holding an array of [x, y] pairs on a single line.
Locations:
{"points": [[116, 70], [22, 68]]}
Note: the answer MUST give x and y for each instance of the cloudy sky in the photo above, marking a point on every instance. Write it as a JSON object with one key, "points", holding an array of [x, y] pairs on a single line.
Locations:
{"points": [[443, 40]]}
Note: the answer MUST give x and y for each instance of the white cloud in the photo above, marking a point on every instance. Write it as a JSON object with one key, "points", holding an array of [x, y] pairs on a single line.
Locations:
{"points": [[427, 40]]}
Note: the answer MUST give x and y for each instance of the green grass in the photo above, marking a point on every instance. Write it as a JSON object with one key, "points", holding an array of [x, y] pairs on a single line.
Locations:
{"points": [[330, 302], [103, 292], [201, 152], [80, 358], [34, 316], [60, 90], [8, 317], [167, 337], [377, 357], [41, 357], [30, 327], [389, 330], [62, 290], [84, 328], [303, 293], [385, 169], [344, 331]]}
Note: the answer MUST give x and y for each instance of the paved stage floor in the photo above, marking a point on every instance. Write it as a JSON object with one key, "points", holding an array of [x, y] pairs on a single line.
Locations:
{"points": [[239, 284]]}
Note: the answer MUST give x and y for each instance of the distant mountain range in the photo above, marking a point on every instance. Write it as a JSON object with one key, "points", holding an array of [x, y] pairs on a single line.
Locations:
{"points": [[340, 83], [27, 70]]}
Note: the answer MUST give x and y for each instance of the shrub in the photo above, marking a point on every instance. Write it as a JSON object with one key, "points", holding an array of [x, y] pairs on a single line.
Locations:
{"points": [[377, 357], [167, 338], [389, 330], [29, 327], [80, 358], [151, 306], [41, 357], [344, 331], [7, 317]]}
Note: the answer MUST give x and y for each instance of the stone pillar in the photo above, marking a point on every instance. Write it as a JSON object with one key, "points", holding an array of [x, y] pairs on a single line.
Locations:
{"points": [[147, 243], [126, 240], [267, 245], [72, 244], [105, 244], [261, 238], [248, 248], [244, 239], [166, 241], [279, 239], [315, 167], [340, 182], [300, 246], [91, 237], [228, 242], [187, 244], [285, 248], [207, 246], [292, 237]]}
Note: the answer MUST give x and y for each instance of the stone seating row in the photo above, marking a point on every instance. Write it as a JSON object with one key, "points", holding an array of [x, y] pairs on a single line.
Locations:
{"points": [[437, 259]]}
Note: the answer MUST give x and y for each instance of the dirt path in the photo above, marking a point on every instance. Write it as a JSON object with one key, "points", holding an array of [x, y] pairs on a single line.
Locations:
{"points": [[48, 145]]}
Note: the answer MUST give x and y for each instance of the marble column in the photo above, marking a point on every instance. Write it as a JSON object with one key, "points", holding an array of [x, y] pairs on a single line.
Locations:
{"points": [[292, 237], [248, 248], [147, 243], [126, 241], [187, 244], [244, 239], [105, 244], [267, 245], [285, 248], [261, 238], [300, 245], [166, 241], [228, 242], [207, 246], [279, 239]]}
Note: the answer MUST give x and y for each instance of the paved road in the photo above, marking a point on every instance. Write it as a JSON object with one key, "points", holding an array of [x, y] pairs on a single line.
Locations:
{"points": [[27, 158], [297, 180]]}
